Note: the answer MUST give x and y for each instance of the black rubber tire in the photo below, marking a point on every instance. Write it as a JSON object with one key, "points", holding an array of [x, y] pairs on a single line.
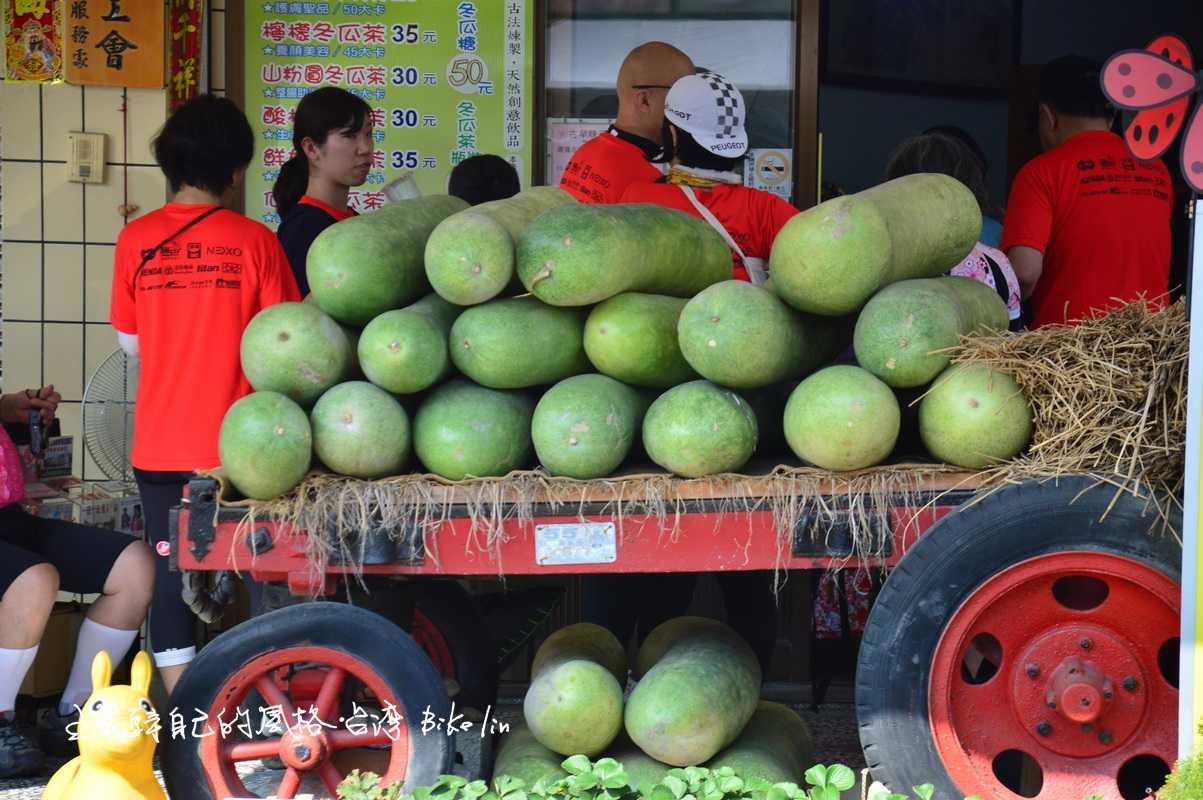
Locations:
{"points": [[451, 609], [941, 570], [370, 638]]}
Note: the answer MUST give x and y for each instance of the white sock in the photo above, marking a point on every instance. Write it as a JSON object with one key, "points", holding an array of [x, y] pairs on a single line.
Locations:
{"points": [[14, 664], [93, 637]]}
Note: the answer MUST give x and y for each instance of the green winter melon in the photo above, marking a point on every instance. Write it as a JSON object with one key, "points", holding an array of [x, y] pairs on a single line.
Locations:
{"points": [[294, 349], [360, 267], [975, 417], [464, 430], [775, 746], [901, 328], [830, 259], [574, 703], [633, 337], [516, 342], [842, 418], [581, 254], [698, 429], [360, 430], [701, 689], [404, 351], [265, 444], [584, 426], [470, 255], [740, 335], [521, 756]]}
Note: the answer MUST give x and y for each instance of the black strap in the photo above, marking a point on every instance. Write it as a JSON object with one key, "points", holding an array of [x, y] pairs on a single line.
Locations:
{"points": [[150, 253], [1000, 280]]}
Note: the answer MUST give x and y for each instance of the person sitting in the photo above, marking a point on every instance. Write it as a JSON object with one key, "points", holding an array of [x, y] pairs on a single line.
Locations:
{"points": [[483, 178], [38, 557], [940, 153], [704, 142]]}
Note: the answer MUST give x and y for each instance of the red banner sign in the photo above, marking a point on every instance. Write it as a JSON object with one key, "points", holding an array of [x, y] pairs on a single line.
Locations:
{"points": [[186, 20], [33, 41]]}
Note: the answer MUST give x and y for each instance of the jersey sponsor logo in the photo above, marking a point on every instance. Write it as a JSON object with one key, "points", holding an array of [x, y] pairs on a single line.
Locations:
{"points": [[226, 283], [223, 250], [168, 251], [231, 268], [1085, 164], [194, 249]]}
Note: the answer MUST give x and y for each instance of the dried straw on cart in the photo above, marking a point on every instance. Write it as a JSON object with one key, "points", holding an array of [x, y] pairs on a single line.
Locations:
{"points": [[1109, 397], [1109, 401]]}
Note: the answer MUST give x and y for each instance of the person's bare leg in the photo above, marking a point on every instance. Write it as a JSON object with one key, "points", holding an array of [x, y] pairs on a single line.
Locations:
{"points": [[171, 676], [26, 606], [127, 591]]}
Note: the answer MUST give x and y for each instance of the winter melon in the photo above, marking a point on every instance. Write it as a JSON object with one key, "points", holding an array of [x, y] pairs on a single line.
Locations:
{"points": [[842, 418], [701, 689], [581, 254], [574, 703], [832, 258], [470, 255], [975, 417], [901, 329]]}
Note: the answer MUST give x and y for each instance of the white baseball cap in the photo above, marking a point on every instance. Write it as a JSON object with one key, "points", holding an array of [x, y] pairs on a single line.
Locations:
{"points": [[711, 110]]}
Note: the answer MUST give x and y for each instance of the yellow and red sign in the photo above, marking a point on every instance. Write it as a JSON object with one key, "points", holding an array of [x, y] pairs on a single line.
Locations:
{"points": [[186, 20], [32, 42], [114, 43]]}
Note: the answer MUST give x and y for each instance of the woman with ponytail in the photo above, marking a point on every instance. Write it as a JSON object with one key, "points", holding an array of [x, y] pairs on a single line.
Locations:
{"points": [[332, 135]]}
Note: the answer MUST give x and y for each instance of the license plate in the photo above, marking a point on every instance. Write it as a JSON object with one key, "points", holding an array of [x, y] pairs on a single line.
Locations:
{"points": [[576, 543]]}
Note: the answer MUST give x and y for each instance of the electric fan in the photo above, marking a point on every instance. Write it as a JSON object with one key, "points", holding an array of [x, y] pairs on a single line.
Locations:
{"points": [[108, 415]]}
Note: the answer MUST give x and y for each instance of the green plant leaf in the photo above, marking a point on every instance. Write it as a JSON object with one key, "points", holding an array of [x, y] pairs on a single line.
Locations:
{"points": [[842, 778], [924, 791], [507, 784], [676, 785], [817, 776], [730, 784], [660, 792], [618, 780], [577, 764]]}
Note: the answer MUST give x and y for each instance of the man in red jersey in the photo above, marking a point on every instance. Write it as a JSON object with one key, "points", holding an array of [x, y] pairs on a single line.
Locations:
{"points": [[1087, 225], [602, 168]]}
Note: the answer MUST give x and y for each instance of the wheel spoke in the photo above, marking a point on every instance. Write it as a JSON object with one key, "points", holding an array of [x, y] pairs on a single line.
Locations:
{"points": [[272, 694], [331, 777], [345, 740], [252, 751], [328, 695], [289, 784]]}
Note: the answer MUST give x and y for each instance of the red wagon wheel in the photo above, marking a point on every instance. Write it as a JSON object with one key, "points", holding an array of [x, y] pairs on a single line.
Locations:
{"points": [[374, 689], [1051, 676], [1027, 646]]}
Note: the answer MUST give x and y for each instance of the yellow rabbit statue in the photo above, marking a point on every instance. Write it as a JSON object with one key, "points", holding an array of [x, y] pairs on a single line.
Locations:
{"points": [[116, 745]]}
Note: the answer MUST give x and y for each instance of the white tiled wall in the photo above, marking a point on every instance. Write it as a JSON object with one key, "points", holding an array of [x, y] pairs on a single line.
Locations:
{"points": [[57, 237]]}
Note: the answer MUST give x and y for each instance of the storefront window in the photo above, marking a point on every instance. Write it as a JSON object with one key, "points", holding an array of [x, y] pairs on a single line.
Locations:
{"points": [[751, 42]]}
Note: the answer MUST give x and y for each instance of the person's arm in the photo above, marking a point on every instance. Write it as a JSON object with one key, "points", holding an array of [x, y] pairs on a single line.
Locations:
{"points": [[129, 343], [1028, 263], [1028, 226], [122, 308]]}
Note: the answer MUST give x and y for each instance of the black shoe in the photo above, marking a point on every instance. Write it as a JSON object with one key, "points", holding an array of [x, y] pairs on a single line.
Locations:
{"points": [[57, 733], [18, 756]]}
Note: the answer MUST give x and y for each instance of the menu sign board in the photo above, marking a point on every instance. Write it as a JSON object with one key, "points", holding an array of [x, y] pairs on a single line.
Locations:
{"points": [[446, 80]]}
